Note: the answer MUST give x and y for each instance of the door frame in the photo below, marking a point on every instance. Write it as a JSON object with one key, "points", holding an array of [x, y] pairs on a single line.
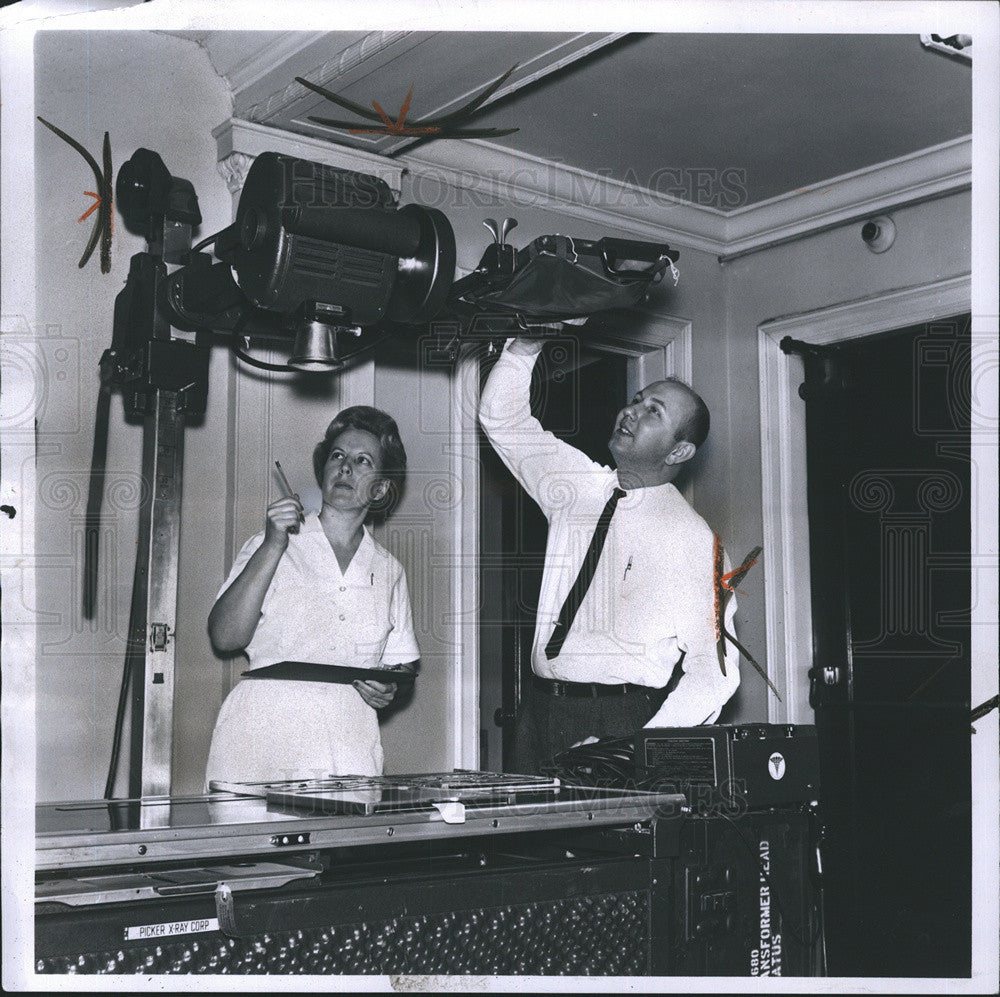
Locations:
{"points": [[660, 347], [787, 595]]}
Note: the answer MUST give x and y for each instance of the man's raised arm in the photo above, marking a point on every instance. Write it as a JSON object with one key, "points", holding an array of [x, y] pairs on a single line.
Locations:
{"points": [[531, 453]]}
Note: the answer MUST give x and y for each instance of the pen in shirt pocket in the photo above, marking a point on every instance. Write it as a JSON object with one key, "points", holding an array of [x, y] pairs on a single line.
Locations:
{"points": [[628, 567]]}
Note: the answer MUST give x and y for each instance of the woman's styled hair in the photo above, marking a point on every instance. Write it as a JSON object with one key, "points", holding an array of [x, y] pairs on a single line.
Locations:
{"points": [[382, 426]]}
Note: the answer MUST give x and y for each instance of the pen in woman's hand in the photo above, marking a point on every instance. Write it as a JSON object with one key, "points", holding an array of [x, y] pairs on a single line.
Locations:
{"points": [[288, 489]]}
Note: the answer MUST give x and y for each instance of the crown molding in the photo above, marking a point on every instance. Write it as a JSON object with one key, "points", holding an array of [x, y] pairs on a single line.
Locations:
{"points": [[264, 61], [521, 180], [527, 180], [369, 53], [366, 49], [920, 176], [248, 140]]}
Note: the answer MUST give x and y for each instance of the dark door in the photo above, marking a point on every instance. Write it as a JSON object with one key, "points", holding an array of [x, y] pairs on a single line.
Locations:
{"points": [[576, 393], [889, 526]]}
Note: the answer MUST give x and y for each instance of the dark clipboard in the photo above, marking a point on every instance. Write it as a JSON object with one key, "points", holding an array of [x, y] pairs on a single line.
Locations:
{"points": [[309, 671]]}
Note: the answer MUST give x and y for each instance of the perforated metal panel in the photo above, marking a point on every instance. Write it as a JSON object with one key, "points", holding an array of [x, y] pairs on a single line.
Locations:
{"points": [[581, 936]]}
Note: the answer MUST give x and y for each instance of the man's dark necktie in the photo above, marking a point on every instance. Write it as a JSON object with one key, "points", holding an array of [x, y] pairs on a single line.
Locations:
{"points": [[583, 579]]}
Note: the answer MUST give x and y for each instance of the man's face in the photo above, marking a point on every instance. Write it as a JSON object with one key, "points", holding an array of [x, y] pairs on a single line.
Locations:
{"points": [[645, 433]]}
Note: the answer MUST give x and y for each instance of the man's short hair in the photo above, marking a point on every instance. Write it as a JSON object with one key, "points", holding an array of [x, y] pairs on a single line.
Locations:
{"points": [[382, 426], [695, 427]]}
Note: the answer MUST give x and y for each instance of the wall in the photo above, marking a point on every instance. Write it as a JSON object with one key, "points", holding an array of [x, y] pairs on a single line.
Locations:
{"points": [[420, 533], [152, 91], [933, 242]]}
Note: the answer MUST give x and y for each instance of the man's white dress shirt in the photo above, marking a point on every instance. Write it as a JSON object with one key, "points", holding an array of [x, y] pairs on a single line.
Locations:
{"points": [[652, 597]]}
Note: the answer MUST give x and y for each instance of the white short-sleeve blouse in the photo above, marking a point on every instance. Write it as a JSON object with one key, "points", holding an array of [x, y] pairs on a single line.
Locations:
{"points": [[277, 729]]}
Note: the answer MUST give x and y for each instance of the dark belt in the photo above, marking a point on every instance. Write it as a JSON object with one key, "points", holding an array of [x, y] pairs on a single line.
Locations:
{"points": [[553, 687]]}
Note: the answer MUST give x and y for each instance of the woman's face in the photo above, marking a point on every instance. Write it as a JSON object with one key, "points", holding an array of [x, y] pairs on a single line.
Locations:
{"points": [[352, 475]]}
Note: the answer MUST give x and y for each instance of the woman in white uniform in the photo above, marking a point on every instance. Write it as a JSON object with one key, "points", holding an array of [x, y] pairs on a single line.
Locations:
{"points": [[317, 589]]}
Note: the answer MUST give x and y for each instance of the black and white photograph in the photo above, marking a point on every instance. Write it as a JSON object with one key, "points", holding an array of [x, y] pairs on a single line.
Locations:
{"points": [[500, 496]]}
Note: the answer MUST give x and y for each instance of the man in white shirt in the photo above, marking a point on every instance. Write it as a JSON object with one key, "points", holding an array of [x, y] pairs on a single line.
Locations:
{"points": [[602, 668]]}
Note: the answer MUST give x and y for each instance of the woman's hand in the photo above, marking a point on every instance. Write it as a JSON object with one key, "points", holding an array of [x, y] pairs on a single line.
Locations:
{"points": [[283, 517], [375, 694], [380, 694], [236, 612]]}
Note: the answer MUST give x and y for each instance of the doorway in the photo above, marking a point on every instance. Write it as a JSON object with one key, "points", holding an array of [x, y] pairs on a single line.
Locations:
{"points": [[888, 469], [576, 393]]}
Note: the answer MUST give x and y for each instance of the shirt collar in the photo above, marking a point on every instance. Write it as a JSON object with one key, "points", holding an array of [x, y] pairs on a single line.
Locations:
{"points": [[362, 562], [653, 495], [363, 556]]}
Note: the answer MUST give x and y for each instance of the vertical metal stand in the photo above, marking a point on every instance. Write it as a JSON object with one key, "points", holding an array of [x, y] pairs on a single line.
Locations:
{"points": [[154, 607], [163, 380]]}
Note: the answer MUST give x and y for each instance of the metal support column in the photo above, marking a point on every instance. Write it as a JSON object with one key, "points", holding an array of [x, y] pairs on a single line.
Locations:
{"points": [[155, 607], [166, 426]]}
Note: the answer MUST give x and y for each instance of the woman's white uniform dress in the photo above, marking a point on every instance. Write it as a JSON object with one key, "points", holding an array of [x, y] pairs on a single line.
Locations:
{"points": [[271, 729]]}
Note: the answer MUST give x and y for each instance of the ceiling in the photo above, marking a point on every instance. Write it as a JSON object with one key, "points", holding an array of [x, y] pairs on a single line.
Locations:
{"points": [[719, 120]]}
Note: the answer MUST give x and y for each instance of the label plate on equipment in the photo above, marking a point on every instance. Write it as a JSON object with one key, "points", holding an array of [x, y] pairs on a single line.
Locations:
{"points": [[690, 757], [145, 932]]}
